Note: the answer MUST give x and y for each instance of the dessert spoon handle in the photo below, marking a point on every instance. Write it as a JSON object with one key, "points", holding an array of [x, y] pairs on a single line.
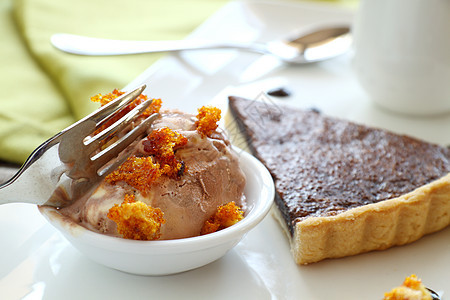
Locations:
{"points": [[83, 45]]}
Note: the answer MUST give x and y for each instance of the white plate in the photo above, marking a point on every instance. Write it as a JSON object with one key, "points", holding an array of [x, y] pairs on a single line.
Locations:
{"points": [[37, 262]]}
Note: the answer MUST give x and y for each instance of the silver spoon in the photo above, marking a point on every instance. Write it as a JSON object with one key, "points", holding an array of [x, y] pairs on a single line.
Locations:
{"points": [[306, 47]]}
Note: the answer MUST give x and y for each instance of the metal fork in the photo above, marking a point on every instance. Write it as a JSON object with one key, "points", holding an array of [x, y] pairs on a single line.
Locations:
{"points": [[72, 163]]}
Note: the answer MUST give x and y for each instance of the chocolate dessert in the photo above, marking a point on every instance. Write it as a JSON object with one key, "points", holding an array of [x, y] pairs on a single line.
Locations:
{"points": [[333, 176], [183, 179]]}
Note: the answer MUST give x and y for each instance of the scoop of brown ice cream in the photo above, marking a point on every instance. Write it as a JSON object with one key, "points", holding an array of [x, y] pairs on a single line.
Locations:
{"points": [[211, 178]]}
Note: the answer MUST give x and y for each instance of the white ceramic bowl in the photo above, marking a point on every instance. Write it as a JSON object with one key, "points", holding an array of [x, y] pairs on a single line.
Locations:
{"points": [[173, 256]]}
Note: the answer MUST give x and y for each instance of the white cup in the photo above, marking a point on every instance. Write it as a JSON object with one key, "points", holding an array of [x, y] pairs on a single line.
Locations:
{"points": [[402, 54]]}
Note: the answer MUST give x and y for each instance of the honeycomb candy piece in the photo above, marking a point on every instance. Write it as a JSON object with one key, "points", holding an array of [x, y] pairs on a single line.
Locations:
{"points": [[225, 216], [139, 172], [162, 144], [135, 220], [207, 119]]}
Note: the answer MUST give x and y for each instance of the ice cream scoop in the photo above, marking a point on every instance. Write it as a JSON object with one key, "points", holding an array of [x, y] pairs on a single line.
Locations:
{"points": [[210, 177]]}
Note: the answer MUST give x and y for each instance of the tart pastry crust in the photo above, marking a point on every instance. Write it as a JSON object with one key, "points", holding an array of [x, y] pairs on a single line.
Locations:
{"points": [[377, 226]]}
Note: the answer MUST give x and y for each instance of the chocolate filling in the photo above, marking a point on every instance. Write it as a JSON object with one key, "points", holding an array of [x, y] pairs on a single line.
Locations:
{"points": [[323, 166]]}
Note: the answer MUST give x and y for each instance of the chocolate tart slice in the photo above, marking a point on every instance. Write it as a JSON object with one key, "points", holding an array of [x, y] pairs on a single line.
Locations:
{"points": [[344, 188]]}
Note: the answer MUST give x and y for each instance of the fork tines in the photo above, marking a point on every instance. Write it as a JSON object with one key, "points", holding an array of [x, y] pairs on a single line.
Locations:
{"points": [[80, 146], [104, 113], [106, 155]]}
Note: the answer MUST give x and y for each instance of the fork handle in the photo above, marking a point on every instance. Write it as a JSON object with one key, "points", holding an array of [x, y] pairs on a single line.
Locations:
{"points": [[35, 183], [22, 191]]}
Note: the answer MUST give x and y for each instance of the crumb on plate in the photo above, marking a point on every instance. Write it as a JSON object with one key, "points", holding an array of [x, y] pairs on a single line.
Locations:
{"points": [[411, 289]]}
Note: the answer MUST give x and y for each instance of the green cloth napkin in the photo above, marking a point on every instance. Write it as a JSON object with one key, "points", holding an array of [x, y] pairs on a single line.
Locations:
{"points": [[44, 90]]}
